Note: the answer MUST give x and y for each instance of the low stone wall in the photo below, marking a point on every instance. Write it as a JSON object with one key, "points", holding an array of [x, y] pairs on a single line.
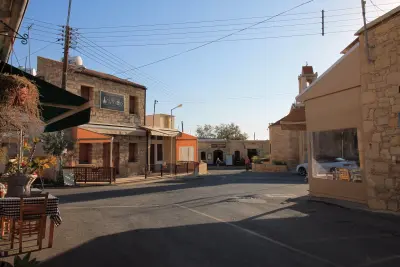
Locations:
{"points": [[203, 168], [269, 168]]}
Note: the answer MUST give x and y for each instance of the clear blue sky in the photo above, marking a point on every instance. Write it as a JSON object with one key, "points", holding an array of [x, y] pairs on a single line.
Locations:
{"points": [[248, 82]]}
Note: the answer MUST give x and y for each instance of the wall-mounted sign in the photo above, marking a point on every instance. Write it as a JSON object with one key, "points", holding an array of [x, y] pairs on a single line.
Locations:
{"points": [[218, 145], [111, 101]]}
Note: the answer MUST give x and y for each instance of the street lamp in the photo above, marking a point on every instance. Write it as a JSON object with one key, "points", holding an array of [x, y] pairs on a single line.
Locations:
{"points": [[178, 106]]}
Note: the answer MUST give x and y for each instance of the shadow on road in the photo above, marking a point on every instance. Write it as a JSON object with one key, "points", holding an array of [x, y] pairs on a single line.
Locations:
{"points": [[165, 186], [318, 235]]}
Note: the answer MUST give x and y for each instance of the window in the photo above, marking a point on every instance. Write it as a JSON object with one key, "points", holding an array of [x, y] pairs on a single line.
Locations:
{"points": [[159, 152], [203, 155], [334, 155], [186, 153], [159, 138], [85, 153], [132, 105], [87, 92], [132, 152]]}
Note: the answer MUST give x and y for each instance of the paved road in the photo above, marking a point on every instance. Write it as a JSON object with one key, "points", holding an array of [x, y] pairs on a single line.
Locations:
{"points": [[231, 218]]}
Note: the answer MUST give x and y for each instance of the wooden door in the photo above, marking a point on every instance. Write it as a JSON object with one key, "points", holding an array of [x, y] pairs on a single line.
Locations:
{"points": [[116, 157], [152, 155], [106, 154]]}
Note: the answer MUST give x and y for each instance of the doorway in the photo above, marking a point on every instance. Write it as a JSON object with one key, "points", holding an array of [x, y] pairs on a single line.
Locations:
{"points": [[106, 154], [116, 157], [251, 153], [237, 157], [218, 154]]}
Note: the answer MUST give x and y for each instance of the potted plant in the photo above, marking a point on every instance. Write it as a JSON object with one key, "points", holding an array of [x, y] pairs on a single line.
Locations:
{"points": [[19, 112], [20, 179]]}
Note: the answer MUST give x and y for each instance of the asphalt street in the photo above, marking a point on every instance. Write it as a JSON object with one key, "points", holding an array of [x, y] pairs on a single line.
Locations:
{"points": [[230, 218]]}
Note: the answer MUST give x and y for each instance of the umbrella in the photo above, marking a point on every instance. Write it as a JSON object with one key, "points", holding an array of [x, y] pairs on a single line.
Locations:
{"points": [[60, 109]]}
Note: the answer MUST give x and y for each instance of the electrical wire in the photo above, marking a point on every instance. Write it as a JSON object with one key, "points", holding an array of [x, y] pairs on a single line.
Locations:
{"points": [[213, 26], [210, 36], [40, 49], [226, 36], [221, 20], [376, 6], [219, 30], [117, 59], [232, 40]]}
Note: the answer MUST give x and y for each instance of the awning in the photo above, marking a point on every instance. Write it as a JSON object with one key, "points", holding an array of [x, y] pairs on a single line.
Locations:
{"points": [[114, 130], [295, 120], [161, 131], [85, 136], [60, 109]]}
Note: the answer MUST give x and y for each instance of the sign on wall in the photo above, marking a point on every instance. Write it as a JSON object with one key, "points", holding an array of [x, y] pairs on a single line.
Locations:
{"points": [[218, 145], [111, 101]]}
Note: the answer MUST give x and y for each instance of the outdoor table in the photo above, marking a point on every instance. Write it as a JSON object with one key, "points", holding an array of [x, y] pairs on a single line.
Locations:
{"points": [[10, 207]]}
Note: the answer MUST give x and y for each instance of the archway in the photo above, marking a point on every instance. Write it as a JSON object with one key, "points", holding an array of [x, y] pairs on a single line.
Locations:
{"points": [[218, 154]]}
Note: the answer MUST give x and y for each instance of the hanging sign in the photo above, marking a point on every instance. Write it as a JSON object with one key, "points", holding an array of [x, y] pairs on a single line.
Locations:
{"points": [[111, 101]]}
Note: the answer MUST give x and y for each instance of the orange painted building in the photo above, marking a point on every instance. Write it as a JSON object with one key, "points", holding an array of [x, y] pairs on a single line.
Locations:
{"points": [[186, 147]]}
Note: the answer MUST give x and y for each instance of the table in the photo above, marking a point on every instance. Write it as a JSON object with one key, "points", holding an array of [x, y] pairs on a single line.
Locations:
{"points": [[10, 207]]}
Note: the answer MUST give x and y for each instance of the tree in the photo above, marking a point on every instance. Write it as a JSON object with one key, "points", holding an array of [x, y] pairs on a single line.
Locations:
{"points": [[55, 144], [223, 131], [230, 132], [205, 131]]}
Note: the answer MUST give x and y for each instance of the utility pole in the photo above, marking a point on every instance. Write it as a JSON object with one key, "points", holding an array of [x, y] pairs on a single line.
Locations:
{"points": [[29, 46], [66, 49], [365, 31], [323, 22], [182, 126], [154, 110]]}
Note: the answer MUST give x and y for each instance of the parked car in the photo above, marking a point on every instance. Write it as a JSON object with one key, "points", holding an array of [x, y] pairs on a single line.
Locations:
{"points": [[327, 165]]}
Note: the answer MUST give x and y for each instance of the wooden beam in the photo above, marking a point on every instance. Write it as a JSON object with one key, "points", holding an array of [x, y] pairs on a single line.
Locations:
{"points": [[57, 105], [70, 112], [5, 14]]}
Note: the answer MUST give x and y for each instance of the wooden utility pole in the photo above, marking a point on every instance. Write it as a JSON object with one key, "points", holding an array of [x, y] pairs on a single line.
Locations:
{"points": [[323, 22], [66, 49], [154, 110], [365, 31], [182, 126]]}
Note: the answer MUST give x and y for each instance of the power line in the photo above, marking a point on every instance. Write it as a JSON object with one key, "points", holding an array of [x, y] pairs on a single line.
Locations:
{"points": [[219, 30], [376, 6], [226, 36], [40, 49], [232, 40], [213, 36], [119, 60], [214, 25], [221, 20], [40, 26]]}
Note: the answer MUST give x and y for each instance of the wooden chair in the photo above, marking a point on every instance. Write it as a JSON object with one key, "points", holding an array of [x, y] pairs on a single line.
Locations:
{"points": [[32, 220]]}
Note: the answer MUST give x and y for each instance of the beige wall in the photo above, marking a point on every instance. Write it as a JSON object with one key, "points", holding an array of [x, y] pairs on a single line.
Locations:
{"points": [[380, 98], [161, 121], [231, 146], [284, 145]]}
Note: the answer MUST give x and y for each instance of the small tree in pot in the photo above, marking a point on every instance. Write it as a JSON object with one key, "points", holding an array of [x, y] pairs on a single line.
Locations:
{"points": [[19, 111]]}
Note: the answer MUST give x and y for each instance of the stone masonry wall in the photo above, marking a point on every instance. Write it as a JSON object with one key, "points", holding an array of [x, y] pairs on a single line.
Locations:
{"points": [[380, 98], [284, 145], [51, 71]]}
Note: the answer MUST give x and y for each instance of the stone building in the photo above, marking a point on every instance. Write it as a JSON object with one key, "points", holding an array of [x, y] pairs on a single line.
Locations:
{"points": [[355, 104], [287, 136], [231, 150], [114, 136]]}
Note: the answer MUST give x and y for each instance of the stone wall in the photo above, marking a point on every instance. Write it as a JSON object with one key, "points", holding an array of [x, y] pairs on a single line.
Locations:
{"points": [[284, 145], [51, 71], [380, 98], [268, 168]]}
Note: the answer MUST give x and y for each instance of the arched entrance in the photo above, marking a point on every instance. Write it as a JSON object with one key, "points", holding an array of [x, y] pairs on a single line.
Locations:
{"points": [[218, 154]]}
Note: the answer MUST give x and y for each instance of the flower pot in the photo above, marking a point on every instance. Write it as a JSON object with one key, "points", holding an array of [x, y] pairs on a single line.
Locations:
{"points": [[20, 185]]}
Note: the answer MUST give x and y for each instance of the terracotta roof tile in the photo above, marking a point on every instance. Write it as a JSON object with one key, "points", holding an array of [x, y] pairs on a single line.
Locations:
{"points": [[308, 70]]}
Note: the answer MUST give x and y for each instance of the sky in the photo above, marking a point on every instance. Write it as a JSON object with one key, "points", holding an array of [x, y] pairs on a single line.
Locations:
{"points": [[249, 78]]}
